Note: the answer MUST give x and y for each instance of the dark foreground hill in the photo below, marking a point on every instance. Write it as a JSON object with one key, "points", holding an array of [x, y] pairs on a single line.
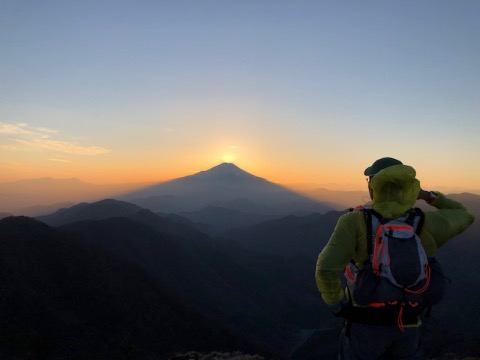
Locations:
{"points": [[256, 294], [103, 288], [65, 298]]}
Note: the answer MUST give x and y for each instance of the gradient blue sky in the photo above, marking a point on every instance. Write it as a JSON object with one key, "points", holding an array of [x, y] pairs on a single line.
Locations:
{"points": [[299, 92]]}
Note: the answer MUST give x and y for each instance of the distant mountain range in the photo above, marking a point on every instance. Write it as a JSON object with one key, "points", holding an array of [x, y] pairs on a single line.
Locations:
{"points": [[42, 196], [225, 186], [222, 198], [196, 196]]}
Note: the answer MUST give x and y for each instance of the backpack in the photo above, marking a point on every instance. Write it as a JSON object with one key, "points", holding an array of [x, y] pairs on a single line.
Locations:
{"points": [[398, 281]]}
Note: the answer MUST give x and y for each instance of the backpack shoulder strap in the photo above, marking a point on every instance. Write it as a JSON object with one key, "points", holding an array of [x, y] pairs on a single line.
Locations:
{"points": [[370, 217], [416, 218]]}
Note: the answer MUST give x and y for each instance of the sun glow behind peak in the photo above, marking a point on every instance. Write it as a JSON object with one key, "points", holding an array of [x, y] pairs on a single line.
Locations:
{"points": [[228, 158]]}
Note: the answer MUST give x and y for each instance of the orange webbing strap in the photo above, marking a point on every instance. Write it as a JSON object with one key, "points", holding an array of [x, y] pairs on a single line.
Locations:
{"points": [[399, 319], [401, 306], [377, 304], [349, 275], [425, 286]]}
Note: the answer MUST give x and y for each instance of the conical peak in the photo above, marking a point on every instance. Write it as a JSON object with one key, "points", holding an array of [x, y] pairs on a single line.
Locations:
{"points": [[225, 172], [226, 169]]}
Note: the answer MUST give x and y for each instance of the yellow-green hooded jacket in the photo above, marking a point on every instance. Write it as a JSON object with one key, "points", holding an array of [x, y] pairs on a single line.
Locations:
{"points": [[395, 190]]}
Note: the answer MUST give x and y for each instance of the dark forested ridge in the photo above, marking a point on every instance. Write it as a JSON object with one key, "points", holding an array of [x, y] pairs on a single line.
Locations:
{"points": [[63, 297], [113, 280]]}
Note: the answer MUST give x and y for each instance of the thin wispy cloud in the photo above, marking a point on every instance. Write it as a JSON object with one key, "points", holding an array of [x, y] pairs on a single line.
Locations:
{"points": [[16, 129], [60, 160], [24, 137]]}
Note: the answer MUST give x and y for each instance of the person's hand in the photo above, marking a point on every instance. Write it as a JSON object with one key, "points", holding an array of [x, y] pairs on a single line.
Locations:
{"points": [[428, 196], [423, 195]]}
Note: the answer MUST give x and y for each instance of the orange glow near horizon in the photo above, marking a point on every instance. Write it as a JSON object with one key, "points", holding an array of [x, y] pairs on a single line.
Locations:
{"points": [[308, 166], [142, 172], [115, 171]]}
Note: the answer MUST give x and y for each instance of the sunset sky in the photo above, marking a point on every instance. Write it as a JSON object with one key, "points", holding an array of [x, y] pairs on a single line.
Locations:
{"points": [[299, 92]]}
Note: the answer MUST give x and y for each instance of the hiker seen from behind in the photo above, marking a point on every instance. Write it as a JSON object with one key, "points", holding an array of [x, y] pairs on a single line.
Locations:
{"points": [[386, 252]]}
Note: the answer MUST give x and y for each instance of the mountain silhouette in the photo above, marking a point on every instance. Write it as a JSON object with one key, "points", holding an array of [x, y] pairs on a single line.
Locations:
{"points": [[290, 236], [110, 208], [36, 197], [216, 220], [103, 209], [64, 296], [224, 185], [219, 278]]}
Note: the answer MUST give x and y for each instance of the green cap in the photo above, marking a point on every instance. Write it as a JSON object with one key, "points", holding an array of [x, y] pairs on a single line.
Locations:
{"points": [[381, 164]]}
